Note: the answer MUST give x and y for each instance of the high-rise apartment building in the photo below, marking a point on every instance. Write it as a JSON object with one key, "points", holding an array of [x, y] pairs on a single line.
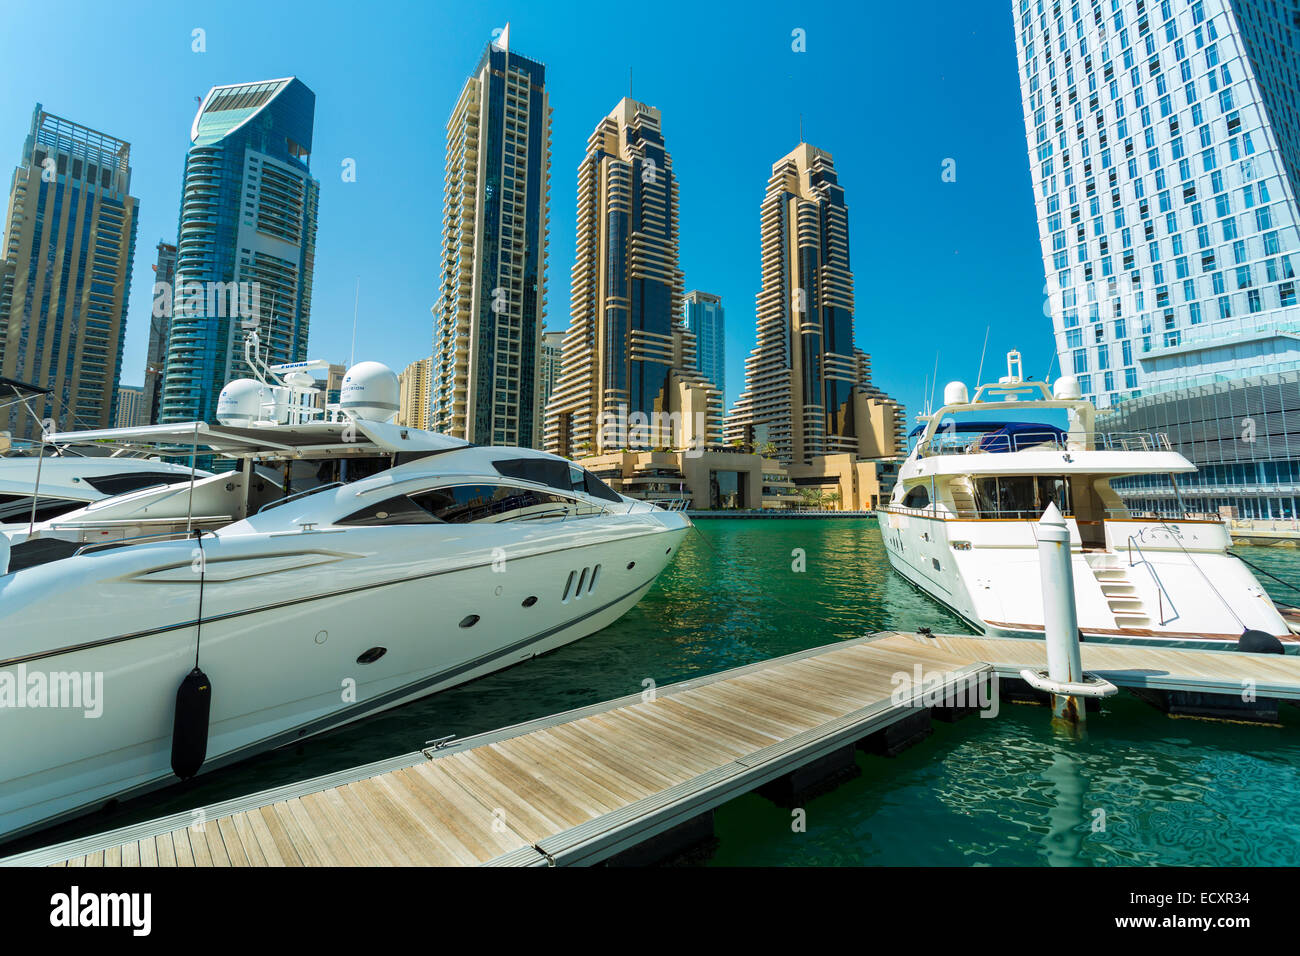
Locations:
{"points": [[1166, 212], [130, 407], [65, 276], [628, 376], [413, 394], [704, 316], [805, 391], [155, 362], [548, 370], [1163, 157], [492, 283], [246, 241]]}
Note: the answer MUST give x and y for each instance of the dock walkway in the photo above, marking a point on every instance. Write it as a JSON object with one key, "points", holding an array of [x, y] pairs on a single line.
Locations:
{"points": [[586, 785], [575, 788]]}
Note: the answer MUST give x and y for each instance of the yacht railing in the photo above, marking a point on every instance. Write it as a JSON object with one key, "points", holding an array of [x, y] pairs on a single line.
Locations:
{"points": [[951, 443], [1161, 593]]}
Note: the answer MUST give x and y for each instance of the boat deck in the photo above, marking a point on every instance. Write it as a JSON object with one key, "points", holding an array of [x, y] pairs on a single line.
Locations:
{"points": [[583, 786]]}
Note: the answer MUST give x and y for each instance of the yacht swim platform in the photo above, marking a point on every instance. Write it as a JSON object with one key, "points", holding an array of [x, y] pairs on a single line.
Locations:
{"points": [[591, 784]]}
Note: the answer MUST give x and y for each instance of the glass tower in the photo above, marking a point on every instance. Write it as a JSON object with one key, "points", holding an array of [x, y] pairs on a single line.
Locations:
{"points": [[1162, 152], [704, 317], [626, 352], [246, 241], [803, 379], [164, 281], [492, 283], [65, 276]]}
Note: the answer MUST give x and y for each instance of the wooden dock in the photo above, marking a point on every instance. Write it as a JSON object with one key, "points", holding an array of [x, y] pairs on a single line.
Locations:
{"points": [[1158, 668], [575, 788], [587, 785]]}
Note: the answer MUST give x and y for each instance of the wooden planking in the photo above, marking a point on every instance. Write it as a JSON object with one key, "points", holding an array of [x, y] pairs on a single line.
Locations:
{"points": [[1124, 664], [499, 798]]}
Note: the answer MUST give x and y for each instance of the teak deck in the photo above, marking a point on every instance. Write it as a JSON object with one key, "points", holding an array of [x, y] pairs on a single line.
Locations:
{"points": [[580, 787]]}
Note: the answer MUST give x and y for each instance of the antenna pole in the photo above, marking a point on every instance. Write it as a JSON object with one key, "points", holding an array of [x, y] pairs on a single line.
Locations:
{"points": [[980, 374], [355, 302]]}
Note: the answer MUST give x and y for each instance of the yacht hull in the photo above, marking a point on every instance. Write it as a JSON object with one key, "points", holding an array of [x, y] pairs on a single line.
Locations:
{"points": [[986, 572], [300, 633]]}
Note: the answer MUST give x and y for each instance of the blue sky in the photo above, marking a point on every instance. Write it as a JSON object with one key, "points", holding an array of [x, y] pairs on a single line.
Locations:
{"points": [[891, 90]]}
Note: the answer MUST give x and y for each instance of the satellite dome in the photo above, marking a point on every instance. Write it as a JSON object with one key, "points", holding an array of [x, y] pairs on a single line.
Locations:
{"points": [[370, 392], [1067, 389], [241, 402]]}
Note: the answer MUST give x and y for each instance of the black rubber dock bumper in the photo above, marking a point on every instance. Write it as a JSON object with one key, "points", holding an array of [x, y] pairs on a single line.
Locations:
{"points": [[1183, 703]]}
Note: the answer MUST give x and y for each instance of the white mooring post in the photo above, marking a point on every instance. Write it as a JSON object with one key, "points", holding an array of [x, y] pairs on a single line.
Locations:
{"points": [[1064, 678], [1060, 622]]}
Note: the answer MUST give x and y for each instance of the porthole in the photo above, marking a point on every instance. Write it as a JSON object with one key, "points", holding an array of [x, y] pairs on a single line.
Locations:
{"points": [[372, 655], [530, 600], [582, 580], [669, 551], [631, 565], [568, 586], [469, 621], [595, 573]]}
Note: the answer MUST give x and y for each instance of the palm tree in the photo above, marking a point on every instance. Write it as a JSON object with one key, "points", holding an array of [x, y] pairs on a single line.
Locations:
{"points": [[833, 499], [767, 449]]}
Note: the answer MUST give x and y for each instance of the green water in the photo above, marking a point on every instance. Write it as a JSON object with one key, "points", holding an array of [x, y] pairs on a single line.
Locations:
{"points": [[1140, 789]]}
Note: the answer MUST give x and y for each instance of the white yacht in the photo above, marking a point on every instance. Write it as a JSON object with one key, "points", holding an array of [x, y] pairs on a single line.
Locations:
{"points": [[68, 480], [345, 566], [960, 524], [68, 477]]}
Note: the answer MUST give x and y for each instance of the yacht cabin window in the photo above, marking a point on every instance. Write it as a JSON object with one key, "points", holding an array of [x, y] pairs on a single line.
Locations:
{"points": [[468, 504], [917, 497], [1021, 496]]}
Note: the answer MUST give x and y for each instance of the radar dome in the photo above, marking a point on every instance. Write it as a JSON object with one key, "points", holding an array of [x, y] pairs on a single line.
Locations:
{"points": [[370, 392], [954, 393], [1067, 389], [240, 402]]}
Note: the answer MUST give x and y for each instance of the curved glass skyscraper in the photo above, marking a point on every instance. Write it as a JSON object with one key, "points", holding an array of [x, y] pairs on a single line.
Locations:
{"points": [[246, 240]]}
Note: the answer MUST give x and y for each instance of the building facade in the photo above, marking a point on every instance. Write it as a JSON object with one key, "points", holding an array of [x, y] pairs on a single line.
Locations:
{"points": [[806, 392], [155, 362], [246, 241], [65, 277], [704, 316], [549, 367], [131, 408], [629, 374], [492, 283], [414, 395], [1162, 152]]}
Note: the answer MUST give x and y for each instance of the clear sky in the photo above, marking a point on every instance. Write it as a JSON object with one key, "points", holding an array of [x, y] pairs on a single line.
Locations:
{"points": [[891, 90]]}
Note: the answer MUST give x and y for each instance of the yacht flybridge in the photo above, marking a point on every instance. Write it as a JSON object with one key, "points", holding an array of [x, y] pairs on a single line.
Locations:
{"points": [[960, 524], [345, 566]]}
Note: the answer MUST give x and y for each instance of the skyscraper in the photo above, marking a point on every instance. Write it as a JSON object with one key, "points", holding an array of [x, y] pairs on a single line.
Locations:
{"points": [[626, 353], [704, 317], [164, 282], [130, 407], [66, 276], [549, 367], [805, 392], [492, 283], [1166, 212], [413, 394], [246, 241], [1163, 159]]}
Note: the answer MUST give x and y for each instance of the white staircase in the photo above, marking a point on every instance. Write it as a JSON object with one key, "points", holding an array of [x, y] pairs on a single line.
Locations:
{"points": [[1112, 573]]}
